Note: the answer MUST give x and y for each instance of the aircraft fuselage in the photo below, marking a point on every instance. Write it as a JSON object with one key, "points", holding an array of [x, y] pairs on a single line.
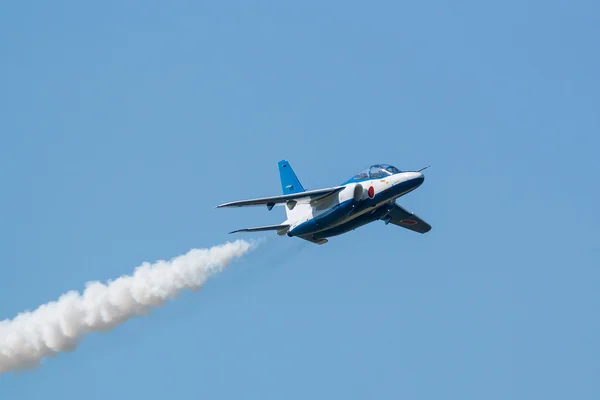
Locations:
{"points": [[355, 206]]}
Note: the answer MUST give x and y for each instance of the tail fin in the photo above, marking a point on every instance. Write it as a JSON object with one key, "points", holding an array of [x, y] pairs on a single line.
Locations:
{"points": [[290, 185], [289, 181]]}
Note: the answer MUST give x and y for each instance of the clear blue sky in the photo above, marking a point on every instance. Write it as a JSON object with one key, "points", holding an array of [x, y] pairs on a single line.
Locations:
{"points": [[123, 125]]}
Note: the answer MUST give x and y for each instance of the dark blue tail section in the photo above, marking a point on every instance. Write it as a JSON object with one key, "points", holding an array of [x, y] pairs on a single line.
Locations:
{"points": [[289, 181]]}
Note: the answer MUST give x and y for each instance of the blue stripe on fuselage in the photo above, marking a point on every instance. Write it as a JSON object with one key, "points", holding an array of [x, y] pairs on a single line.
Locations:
{"points": [[354, 223], [325, 220]]}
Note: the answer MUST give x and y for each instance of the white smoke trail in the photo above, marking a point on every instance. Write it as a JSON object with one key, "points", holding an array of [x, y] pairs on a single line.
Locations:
{"points": [[59, 325]]}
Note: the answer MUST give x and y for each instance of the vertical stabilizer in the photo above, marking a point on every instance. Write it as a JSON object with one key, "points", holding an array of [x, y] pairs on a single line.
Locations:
{"points": [[289, 181], [290, 185]]}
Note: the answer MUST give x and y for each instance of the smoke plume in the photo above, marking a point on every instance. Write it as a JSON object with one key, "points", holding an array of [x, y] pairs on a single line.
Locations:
{"points": [[59, 325]]}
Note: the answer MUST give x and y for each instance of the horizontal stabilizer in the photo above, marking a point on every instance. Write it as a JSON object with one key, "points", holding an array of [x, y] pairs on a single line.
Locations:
{"points": [[278, 228], [302, 197]]}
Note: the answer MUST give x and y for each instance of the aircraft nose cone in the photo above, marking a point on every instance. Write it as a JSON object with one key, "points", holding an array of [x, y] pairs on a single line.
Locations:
{"points": [[417, 178]]}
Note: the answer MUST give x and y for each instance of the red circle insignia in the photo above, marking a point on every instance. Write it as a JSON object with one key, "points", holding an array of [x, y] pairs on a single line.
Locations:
{"points": [[371, 192], [409, 222]]}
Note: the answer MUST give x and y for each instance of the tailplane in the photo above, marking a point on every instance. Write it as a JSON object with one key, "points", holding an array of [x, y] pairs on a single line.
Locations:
{"points": [[281, 229]]}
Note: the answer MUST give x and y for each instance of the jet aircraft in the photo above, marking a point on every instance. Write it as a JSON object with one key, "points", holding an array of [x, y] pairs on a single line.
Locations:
{"points": [[316, 215]]}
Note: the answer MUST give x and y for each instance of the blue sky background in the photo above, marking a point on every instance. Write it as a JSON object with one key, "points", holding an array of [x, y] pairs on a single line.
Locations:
{"points": [[123, 125]]}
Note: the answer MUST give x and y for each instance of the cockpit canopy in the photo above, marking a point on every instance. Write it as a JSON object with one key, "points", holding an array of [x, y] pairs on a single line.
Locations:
{"points": [[375, 172]]}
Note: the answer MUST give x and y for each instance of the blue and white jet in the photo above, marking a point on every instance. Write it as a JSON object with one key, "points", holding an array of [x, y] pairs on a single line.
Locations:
{"points": [[316, 215]]}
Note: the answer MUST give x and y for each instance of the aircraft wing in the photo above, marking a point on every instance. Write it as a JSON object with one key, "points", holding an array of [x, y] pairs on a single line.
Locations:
{"points": [[316, 241], [301, 197], [404, 218]]}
